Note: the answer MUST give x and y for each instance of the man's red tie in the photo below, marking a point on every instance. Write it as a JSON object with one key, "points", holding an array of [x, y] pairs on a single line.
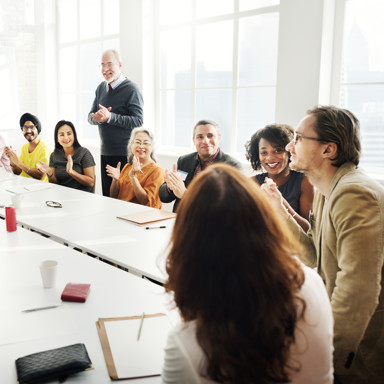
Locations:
{"points": [[109, 88]]}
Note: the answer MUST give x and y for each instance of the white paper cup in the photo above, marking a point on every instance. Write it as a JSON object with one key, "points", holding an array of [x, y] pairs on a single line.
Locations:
{"points": [[48, 270], [16, 200]]}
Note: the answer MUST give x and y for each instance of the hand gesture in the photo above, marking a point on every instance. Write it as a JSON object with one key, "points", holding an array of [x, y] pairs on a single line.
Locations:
{"points": [[136, 167], [11, 154], [270, 188], [174, 182], [113, 172], [43, 167], [102, 115], [69, 167]]}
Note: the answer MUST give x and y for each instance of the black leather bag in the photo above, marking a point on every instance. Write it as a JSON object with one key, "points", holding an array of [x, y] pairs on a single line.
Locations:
{"points": [[54, 364]]}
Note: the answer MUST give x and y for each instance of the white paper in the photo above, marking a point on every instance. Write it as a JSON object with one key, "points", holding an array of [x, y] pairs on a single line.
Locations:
{"points": [[137, 358]]}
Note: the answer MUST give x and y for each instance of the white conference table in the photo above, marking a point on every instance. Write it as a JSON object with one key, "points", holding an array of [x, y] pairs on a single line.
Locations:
{"points": [[114, 293], [89, 222]]}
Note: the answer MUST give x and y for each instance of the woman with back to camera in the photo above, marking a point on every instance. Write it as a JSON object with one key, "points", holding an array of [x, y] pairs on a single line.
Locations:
{"points": [[266, 150], [70, 164], [140, 180], [252, 313]]}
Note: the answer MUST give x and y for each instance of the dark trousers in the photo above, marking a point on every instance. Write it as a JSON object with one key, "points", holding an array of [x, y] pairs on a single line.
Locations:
{"points": [[106, 181]]}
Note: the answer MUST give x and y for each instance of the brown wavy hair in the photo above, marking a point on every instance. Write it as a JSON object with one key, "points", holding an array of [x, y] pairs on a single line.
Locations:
{"points": [[339, 126], [231, 269], [276, 134]]}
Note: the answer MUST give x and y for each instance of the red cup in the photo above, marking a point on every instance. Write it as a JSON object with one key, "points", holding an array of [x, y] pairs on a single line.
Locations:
{"points": [[10, 219]]}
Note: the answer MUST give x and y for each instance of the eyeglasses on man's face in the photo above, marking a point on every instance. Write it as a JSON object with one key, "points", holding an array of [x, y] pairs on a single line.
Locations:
{"points": [[107, 65], [28, 127], [297, 137]]}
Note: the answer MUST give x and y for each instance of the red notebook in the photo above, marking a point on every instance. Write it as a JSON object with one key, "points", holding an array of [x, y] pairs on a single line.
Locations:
{"points": [[75, 292]]}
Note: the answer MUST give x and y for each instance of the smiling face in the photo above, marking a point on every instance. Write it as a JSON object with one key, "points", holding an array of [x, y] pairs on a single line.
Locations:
{"points": [[30, 131], [65, 136], [110, 67], [141, 146], [206, 140], [273, 158]]}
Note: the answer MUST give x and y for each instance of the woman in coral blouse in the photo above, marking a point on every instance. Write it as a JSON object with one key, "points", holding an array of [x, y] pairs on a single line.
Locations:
{"points": [[141, 178]]}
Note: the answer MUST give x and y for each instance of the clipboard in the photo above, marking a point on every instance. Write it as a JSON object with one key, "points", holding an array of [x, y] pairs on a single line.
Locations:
{"points": [[129, 358], [147, 217]]}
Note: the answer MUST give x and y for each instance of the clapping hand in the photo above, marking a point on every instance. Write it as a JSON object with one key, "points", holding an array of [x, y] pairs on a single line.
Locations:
{"points": [[174, 182], [11, 154], [136, 166], [69, 167], [113, 172], [102, 115], [41, 166]]}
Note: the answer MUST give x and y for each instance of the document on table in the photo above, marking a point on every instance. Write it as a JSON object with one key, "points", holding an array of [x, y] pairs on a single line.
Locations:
{"points": [[129, 356], [147, 217], [28, 188]]}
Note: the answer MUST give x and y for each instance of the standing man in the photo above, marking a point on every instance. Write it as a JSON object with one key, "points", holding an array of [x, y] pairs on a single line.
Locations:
{"points": [[346, 240], [117, 109], [206, 137], [32, 152]]}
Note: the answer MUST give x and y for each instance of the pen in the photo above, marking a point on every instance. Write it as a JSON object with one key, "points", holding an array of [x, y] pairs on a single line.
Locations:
{"points": [[8, 190], [141, 325], [40, 308], [161, 226]]}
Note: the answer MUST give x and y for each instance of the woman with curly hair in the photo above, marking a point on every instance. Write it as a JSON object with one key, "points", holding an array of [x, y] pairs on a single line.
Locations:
{"points": [[266, 150], [252, 313]]}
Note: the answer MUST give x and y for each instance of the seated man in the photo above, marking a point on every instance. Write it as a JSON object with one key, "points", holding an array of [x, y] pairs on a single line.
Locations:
{"points": [[31, 152], [206, 137]]}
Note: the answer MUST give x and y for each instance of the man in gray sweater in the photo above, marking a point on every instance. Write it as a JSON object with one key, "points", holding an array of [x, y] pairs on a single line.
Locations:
{"points": [[117, 109]]}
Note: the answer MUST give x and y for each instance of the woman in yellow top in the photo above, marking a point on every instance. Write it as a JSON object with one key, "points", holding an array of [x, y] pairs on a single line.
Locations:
{"points": [[141, 178]]}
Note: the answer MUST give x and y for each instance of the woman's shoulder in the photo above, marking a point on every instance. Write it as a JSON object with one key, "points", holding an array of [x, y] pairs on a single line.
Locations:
{"points": [[296, 175], [260, 177]]}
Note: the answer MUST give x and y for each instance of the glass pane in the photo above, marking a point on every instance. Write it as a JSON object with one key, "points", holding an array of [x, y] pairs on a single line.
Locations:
{"points": [[68, 108], [90, 72], [67, 15], [245, 5], [90, 19], [216, 105], [68, 69], [110, 44], [176, 121], [366, 102], [258, 43], [210, 8], [175, 58], [174, 11], [214, 55], [89, 131], [111, 23], [256, 109], [363, 56]]}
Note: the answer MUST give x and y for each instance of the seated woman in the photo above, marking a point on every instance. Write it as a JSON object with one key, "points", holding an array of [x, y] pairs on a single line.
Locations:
{"points": [[141, 178], [70, 164], [252, 313], [266, 149]]}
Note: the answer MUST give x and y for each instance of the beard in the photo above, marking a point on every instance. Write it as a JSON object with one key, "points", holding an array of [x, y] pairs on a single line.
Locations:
{"points": [[29, 138]]}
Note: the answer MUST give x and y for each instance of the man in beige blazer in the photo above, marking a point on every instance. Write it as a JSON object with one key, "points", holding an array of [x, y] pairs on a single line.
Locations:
{"points": [[346, 239]]}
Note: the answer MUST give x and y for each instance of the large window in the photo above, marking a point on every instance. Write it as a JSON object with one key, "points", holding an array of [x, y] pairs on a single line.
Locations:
{"points": [[362, 74], [85, 29], [18, 61], [218, 61]]}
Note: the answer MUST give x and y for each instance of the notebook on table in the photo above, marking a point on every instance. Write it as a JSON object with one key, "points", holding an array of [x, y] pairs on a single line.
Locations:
{"points": [[131, 349], [147, 217]]}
